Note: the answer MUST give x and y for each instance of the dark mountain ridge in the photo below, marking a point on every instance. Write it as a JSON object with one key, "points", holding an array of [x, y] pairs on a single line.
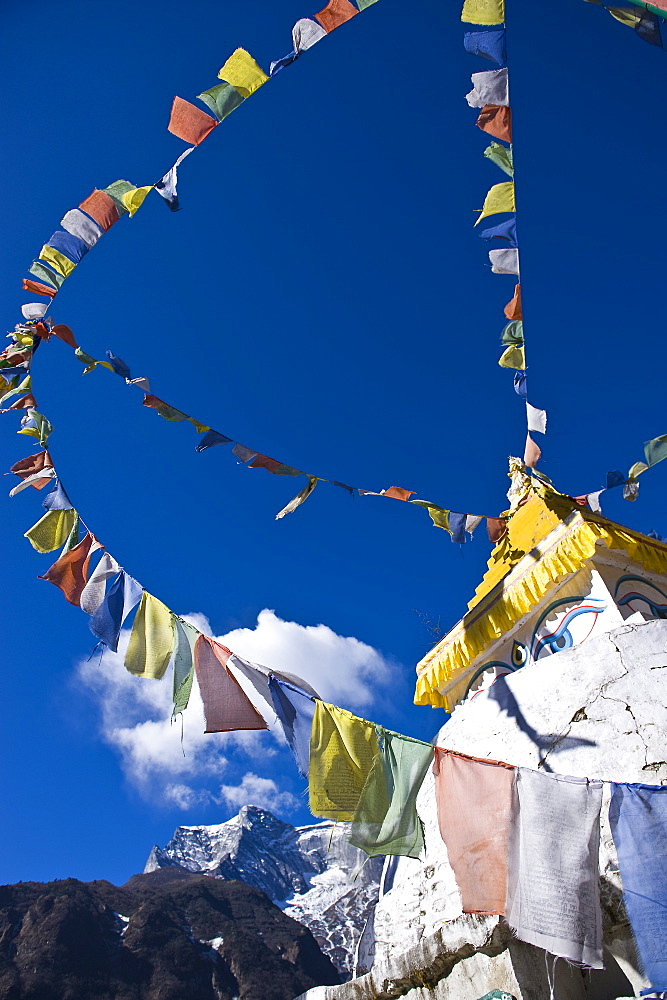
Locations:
{"points": [[167, 934]]}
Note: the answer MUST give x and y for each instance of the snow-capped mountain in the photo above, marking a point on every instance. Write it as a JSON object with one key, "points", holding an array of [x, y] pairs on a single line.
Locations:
{"points": [[310, 872]]}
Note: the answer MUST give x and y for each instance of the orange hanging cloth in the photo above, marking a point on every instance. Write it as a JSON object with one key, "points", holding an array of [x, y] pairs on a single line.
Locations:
{"points": [[226, 706], [70, 572], [335, 13]]}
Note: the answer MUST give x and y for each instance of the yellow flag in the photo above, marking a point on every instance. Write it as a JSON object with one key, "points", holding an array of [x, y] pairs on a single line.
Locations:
{"points": [[134, 199], [637, 470], [243, 73], [342, 751], [151, 640], [57, 260], [629, 17], [483, 11], [201, 428], [514, 357], [499, 198], [52, 530]]}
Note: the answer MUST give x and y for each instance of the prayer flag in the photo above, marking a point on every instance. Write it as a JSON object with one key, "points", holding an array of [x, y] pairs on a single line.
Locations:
{"points": [[386, 820], [101, 208], [342, 750], [72, 247], [637, 469], [305, 33], [278, 64], [28, 467], [151, 639], [655, 450], [638, 819], [438, 515], [134, 199], [118, 365], [226, 705], [299, 498], [487, 44], [37, 288], [63, 265], [512, 333], [34, 310], [363, 4], [594, 501], [166, 186], [295, 709], [457, 526], [473, 521], [491, 86], [260, 693], [497, 121], [537, 419], [532, 453], [553, 896], [474, 804], [397, 493], [186, 637], [499, 198], [90, 362], [273, 466], [70, 571], [164, 409], [93, 593], [200, 428], [123, 595], [45, 274], [64, 333], [36, 425], [56, 498], [502, 156], [513, 308], [116, 191], [614, 478], [189, 123], [21, 404], [51, 531], [483, 11], [210, 439], [73, 537], [496, 527], [221, 99], [505, 261], [141, 383], [513, 357], [520, 384], [335, 13], [242, 453], [648, 28], [79, 225], [503, 231], [243, 73]]}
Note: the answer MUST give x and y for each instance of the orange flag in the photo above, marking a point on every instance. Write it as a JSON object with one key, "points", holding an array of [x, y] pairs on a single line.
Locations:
{"points": [[497, 121], [226, 705], [65, 334], [397, 493], [21, 403], [532, 453], [70, 572], [38, 288], [32, 464], [100, 207], [335, 13], [189, 123], [513, 307]]}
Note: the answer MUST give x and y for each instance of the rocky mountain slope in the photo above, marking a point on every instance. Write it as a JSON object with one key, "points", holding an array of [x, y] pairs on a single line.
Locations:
{"points": [[169, 935], [311, 872]]}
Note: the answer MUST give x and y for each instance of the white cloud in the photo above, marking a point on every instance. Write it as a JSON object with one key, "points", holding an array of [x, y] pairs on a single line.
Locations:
{"points": [[181, 765], [257, 791]]}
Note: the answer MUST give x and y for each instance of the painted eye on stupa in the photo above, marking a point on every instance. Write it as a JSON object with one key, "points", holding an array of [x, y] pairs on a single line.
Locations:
{"points": [[519, 654]]}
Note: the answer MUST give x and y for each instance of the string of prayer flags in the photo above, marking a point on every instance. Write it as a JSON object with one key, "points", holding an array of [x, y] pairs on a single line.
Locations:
{"points": [[93, 593], [166, 187], [386, 821], [489, 87], [638, 819], [483, 11], [51, 531], [151, 639], [474, 803], [505, 261], [186, 636], [342, 750], [243, 73], [299, 498], [335, 13], [295, 709], [122, 597], [70, 571], [189, 123], [553, 899], [499, 198], [226, 706], [496, 120]]}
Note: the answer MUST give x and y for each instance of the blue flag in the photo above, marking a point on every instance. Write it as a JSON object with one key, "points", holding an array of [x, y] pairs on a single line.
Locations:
{"points": [[503, 231], [211, 438], [71, 246], [295, 709], [487, 44]]}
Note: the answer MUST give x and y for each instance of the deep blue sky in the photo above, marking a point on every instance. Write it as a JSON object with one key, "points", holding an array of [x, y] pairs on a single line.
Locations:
{"points": [[322, 297]]}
